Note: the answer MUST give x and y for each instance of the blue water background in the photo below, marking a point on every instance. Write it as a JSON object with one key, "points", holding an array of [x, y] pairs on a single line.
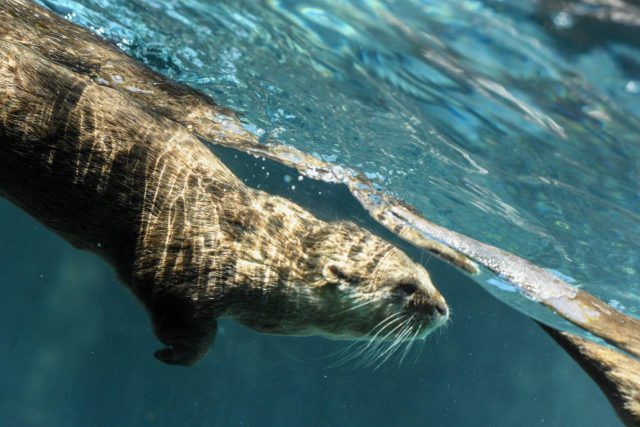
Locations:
{"points": [[472, 111]]}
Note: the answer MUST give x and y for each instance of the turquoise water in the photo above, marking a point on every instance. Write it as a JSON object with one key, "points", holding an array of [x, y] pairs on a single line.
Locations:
{"points": [[487, 121]]}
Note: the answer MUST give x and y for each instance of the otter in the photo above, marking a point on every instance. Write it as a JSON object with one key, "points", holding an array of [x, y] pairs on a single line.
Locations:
{"points": [[124, 180]]}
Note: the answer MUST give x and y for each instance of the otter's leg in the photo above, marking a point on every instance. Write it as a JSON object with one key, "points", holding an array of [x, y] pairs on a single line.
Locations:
{"points": [[186, 335]]}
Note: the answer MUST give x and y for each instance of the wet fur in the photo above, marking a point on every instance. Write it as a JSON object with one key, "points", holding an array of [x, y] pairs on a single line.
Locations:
{"points": [[115, 175]]}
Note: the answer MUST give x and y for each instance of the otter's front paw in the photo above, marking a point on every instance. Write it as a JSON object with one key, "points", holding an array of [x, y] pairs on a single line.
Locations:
{"points": [[186, 335], [179, 355]]}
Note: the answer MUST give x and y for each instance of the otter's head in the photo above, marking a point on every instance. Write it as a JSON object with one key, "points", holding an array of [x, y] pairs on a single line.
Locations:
{"points": [[346, 283], [371, 289]]}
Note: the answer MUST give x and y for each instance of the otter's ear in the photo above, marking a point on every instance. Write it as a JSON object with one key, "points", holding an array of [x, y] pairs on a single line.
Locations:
{"points": [[335, 272]]}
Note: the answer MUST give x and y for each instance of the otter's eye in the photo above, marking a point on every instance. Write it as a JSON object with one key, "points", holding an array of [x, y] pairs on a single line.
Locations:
{"points": [[406, 289]]}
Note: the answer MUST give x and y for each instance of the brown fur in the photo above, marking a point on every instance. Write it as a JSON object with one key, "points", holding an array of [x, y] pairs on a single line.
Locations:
{"points": [[115, 175]]}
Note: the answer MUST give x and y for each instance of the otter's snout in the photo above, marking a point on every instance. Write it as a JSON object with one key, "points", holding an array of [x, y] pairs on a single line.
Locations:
{"points": [[431, 305], [438, 307]]}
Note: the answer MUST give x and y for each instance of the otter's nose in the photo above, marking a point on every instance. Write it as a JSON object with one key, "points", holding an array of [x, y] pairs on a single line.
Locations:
{"points": [[441, 307], [437, 306], [432, 305]]}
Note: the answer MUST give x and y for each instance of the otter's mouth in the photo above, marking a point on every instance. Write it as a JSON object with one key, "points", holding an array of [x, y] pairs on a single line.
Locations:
{"points": [[407, 326], [396, 335]]}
